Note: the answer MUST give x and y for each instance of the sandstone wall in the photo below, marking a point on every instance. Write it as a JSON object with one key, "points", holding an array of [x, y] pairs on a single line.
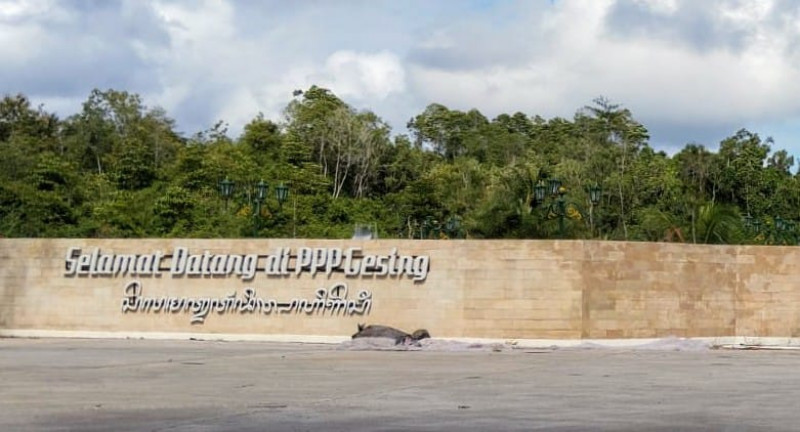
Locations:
{"points": [[478, 289]]}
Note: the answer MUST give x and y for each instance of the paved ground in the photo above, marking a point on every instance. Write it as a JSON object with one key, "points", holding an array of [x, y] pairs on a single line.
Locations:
{"points": [[118, 385]]}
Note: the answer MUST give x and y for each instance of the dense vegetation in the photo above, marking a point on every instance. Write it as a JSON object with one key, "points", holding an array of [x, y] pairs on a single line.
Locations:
{"points": [[119, 169]]}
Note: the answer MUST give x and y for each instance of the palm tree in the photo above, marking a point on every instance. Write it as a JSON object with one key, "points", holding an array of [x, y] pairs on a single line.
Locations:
{"points": [[718, 224], [658, 225]]}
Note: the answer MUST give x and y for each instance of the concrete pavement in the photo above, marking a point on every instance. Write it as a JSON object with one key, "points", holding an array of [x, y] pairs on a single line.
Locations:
{"points": [[146, 385]]}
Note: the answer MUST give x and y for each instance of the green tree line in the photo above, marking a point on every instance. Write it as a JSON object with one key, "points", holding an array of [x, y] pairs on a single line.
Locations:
{"points": [[119, 169]]}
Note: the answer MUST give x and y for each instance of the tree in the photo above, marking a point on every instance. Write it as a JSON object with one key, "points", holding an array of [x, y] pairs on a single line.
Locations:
{"points": [[264, 138], [616, 126], [740, 162], [446, 130], [118, 169], [718, 223], [346, 145]]}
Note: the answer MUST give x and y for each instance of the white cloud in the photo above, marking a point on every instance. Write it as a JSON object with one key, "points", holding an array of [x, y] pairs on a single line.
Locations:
{"points": [[363, 75], [661, 81], [665, 7], [21, 9], [747, 13], [21, 35], [679, 65], [240, 77]]}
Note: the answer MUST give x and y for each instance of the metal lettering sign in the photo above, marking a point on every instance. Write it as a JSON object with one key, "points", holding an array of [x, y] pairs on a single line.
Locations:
{"points": [[283, 262]]}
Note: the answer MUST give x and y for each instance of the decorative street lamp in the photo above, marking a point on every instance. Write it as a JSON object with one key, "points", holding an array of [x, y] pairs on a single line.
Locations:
{"points": [[226, 190], [453, 227], [752, 224], [554, 186], [539, 191], [260, 197], [559, 207], [780, 231], [595, 193], [429, 225], [282, 194], [786, 232], [432, 228], [255, 196], [261, 192], [780, 224]]}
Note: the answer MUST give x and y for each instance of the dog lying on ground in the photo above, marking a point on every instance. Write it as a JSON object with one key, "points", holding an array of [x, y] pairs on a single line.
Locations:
{"points": [[399, 336]]}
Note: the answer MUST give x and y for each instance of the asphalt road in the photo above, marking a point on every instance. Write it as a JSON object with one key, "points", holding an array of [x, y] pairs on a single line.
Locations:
{"points": [[139, 385]]}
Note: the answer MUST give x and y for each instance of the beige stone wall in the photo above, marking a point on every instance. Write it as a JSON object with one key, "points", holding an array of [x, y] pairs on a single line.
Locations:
{"points": [[479, 289]]}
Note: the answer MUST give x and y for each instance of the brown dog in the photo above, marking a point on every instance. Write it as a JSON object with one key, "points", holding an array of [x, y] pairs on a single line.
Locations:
{"points": [[399, 336]]}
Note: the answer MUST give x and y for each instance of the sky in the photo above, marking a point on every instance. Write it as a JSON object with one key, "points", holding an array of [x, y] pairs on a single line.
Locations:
{"points": [[690, 71]]}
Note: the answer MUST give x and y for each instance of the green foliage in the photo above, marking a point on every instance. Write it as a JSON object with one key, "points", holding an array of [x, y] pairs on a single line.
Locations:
{"points": [[718, 223], [173, 212], [119, 169], [447, 131]]}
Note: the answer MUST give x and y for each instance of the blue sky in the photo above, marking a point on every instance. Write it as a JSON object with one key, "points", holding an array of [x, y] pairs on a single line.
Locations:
{"points": [[691, 71]]}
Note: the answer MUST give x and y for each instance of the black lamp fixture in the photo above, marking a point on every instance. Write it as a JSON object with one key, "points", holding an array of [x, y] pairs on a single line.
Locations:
{"points": [[786, 232], [780, 223], [539, 191], [595, 194], [261, 191], [432, 228], [255, 195], [775, 230], [559, 207], [259, 197], [752, 223], [282, 193], [226, 187], [453, 227], [554, 187]]}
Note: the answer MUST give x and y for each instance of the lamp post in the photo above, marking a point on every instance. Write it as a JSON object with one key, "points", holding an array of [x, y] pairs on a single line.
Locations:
{"points": [[281, 194], [779, 231], [785, 231], [451, 227], [260, 198], [429, 225], [255, 196], [226, 190], [595, 195], [752, 224], [559, 207]]}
